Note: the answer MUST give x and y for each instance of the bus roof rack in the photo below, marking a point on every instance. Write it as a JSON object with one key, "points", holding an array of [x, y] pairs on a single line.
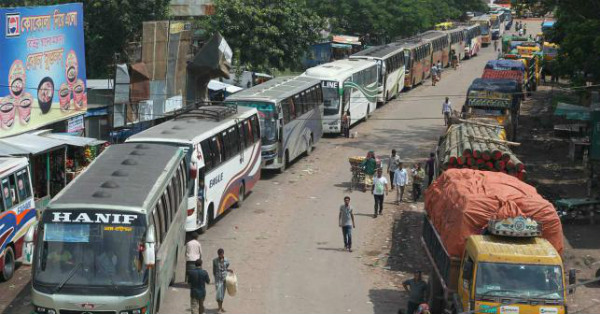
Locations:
{"points": [[217, 113]]}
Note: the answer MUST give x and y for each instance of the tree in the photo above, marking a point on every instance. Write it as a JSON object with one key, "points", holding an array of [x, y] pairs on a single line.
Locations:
{"points": [[268, 34], [579, 52], [389, 19], [109, 25]]}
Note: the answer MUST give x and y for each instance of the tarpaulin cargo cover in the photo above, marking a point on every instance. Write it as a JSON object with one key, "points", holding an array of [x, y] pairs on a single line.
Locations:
{"points": [[461, 202]]}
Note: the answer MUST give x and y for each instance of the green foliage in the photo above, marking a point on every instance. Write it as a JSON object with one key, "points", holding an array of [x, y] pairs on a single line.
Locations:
{"points": [[268, 34], [380, 21], [577, 31], [108, 26]]}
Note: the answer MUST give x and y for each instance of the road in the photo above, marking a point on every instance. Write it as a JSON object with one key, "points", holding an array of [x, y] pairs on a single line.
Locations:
{"points": [[284, 243]]}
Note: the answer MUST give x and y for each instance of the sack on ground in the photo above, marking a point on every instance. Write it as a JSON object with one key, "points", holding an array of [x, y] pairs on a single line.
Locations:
{"points": [[231, 284]]}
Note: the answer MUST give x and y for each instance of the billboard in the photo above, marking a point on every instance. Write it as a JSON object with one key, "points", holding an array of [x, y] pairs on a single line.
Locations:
{"points": [[42, 66]]}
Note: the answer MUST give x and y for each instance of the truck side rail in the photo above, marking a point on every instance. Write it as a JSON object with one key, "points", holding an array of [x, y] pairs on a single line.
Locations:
{"points": [[437, 254]]}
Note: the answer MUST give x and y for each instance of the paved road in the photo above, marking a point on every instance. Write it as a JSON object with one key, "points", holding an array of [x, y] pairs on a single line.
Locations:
{"points": [[284, 243]]}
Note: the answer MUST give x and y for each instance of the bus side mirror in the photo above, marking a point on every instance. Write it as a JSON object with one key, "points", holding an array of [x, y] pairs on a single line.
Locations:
{"points": [[149, 253]]}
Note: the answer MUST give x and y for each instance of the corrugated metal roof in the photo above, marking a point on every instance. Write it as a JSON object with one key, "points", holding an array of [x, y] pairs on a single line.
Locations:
{"points": [[276, 89], [26, 144], [129, 173], [74, 140]]}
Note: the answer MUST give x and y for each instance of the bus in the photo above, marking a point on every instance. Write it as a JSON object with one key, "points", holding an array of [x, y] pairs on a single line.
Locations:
{"points": [[457, 41], [440, 46], [390, 63], [109, 242], [508, 18], [497, 25], [348, 85], [472, 35], [484, 23], [17, 212], [417, 56], [223, 152], [290, 117]]}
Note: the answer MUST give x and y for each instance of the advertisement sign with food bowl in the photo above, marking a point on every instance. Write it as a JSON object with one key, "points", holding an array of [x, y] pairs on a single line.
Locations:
{"points": [[42, 69]]}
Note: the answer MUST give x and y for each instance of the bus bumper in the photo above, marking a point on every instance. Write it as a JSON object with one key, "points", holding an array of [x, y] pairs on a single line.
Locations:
{"points": [[61, 303], [269, 157], [332, 126]]}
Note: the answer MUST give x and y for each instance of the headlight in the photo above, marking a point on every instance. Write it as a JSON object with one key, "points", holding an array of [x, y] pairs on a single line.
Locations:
{"points": [[43, 310]]}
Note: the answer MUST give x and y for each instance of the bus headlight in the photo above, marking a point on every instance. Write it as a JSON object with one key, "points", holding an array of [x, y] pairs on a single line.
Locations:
{"points": [[43, 310], [136, 311]]}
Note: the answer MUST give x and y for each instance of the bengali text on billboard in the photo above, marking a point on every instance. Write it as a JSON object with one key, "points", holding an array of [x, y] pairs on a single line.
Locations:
{"points": [[42, 69]]}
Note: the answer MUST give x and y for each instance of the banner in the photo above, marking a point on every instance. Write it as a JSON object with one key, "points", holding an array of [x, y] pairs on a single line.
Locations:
{"points": [[42, 69]]}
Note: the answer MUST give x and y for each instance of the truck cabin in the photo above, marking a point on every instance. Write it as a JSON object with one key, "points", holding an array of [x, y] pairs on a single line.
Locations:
{"points": [[522, 272], [493, 97]]}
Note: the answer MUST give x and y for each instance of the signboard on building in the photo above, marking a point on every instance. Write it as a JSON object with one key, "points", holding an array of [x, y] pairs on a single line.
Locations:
{"points": [[75, 124], [42, 69]]}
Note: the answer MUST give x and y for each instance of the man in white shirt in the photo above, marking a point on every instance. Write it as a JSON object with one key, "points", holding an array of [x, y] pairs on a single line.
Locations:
{"points": [[380, 186], [193, 251], [392, 166], [447, 111], [400, 179]]}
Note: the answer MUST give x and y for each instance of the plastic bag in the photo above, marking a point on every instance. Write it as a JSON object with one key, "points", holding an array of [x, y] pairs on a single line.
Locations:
{"points": [[231, 284]]}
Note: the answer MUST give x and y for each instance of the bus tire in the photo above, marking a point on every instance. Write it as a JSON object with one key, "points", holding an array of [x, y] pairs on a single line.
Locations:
{"points": [[9, 264], [309, 146]]}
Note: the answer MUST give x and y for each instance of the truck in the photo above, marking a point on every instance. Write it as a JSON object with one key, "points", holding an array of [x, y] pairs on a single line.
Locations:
{"points": [[498, 100], [506, 69], [487, 259]]}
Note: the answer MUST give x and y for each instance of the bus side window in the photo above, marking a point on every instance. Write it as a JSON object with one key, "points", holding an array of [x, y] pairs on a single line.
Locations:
{"points": [[6, 197], [286, 106], [248, 133], [157, 226], [255, 129], [206, 152], [23, 186], [162, 221], [13, 190], [173, 201], [242, 136]]}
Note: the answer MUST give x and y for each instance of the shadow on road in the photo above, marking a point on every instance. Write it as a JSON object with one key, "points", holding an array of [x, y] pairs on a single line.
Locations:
{"points": [[407, 254], [387, 301], [21, 303]]}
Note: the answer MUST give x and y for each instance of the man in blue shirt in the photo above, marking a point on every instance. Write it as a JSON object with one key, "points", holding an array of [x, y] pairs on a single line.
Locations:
{"points": [[198, 278]]}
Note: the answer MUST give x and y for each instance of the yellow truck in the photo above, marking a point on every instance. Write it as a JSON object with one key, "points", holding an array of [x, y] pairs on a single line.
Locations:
{"points": [[508, 267]]}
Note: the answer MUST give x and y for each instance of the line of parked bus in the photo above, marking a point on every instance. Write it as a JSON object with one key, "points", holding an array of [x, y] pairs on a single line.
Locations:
{"points": [[110, 240]]}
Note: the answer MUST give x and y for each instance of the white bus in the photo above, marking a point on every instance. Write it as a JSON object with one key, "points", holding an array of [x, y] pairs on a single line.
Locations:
{"points": [[390, 66], [290, 117], [109, 241], [223, 150], [348, 85], [17, 212]]}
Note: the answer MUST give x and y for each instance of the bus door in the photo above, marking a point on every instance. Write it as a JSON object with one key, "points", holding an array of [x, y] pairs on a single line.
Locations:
{"points": [[201, 194]]}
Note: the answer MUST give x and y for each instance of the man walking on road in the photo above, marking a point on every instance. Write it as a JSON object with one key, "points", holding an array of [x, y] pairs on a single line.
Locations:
{"points": [[400, 179], [417, 289], [429, 168], [346, 221], [439, 70], [417, 178], [447, 111], [392, 166], [193, 251], [380, 186], [198, 279], [433, 75], [220, 270]]}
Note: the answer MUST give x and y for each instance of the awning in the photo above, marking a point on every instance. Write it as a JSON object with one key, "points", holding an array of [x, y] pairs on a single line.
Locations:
{"points": [[343, 46], [25, 144], [216, 85], [74, 140], [572, 112]]}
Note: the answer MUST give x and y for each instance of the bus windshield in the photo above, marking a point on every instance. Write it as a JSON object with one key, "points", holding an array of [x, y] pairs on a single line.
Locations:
{"points": [[519, 280], [268, 120], [90, 255], [331, 99], [485, 29]]}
